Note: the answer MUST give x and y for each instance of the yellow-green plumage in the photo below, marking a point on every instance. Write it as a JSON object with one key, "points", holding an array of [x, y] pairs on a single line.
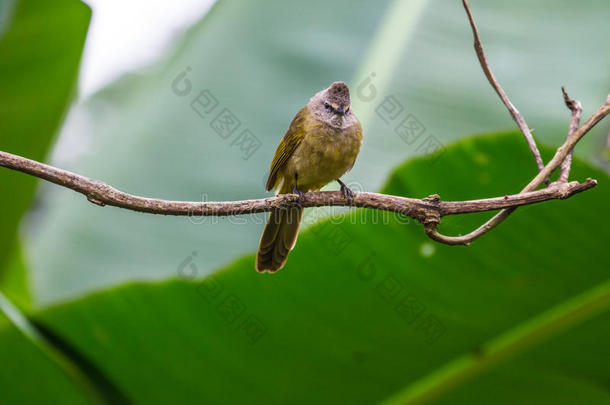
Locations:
{"points": [[320, 146]]}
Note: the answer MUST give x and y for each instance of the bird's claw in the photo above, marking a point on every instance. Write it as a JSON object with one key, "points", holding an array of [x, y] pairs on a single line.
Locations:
{"points": [[299, 193], [295, 189], [347, 192]]}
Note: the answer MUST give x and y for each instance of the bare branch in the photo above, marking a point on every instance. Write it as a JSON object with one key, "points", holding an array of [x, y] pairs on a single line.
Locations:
{"points": [[421, 209], [517, 116], [576, 108], [428, 210], [431, 223]]}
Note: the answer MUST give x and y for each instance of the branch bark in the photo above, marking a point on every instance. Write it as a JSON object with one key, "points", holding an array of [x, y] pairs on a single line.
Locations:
{"points": [[576, 108], [103, 194]]}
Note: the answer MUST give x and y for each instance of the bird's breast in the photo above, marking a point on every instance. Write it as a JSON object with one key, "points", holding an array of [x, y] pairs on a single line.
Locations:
{"points": [[324, 155]]}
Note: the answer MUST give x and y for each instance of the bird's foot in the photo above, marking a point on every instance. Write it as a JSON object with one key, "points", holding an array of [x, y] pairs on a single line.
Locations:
{"points": [[295, 189], [346, 191], [299, 193]]}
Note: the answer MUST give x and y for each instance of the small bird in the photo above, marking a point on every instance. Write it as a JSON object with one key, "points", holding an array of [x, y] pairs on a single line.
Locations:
{"points": [[320, 146]]}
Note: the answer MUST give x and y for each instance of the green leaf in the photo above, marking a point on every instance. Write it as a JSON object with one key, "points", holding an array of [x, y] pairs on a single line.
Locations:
{"points": [[15, 283], [367, 306], [33, 371], [40, 48], [28, 376]]}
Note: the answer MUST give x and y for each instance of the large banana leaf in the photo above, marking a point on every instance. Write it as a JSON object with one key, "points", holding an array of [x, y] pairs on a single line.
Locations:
{"points": [[29, 376], [40, 48], [367, 306]]}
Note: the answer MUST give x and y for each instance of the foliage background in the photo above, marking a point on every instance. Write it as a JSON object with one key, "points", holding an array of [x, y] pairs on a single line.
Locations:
{"points": [[263, 61]]}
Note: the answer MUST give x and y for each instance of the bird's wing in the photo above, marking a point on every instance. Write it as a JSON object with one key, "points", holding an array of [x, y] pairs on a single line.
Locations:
{"points": [[289, 143]]}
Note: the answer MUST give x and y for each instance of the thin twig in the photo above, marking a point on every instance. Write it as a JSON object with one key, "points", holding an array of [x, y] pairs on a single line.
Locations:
{"points": [[560, 155], [576, 108], [517, 116], [103, 194]]}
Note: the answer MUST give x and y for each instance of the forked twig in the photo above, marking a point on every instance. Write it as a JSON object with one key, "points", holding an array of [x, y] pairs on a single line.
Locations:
{"points": [[576, 108], [564, 160], [558, 158]]}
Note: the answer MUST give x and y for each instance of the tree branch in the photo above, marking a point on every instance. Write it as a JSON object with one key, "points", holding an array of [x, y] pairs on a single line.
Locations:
{"points": [[517, 116], [103, 194]]}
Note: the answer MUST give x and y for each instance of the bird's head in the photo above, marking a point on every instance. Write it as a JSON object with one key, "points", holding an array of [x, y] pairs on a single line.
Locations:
{"points": [[336, 98], [332, 105]]}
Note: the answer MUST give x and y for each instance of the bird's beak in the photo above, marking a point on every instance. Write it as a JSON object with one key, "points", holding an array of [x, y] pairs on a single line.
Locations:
{"points": [[341, 110]]}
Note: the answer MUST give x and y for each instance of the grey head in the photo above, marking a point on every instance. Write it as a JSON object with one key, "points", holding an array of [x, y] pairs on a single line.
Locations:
{"points": [[333, 106]]}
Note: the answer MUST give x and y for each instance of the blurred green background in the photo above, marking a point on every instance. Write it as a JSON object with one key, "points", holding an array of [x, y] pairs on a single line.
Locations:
{"points": [[114, 306]]}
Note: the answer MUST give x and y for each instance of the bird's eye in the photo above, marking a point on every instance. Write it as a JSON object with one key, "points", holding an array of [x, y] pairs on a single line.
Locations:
{"points": [[346, 110], [326, 105]]}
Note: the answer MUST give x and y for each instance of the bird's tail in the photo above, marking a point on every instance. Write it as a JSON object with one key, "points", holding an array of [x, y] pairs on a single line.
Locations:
{"points": [[278, 238]]}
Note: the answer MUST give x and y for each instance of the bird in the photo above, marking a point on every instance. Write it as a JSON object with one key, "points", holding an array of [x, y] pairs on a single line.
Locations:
{"points": [[320, 146]]}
